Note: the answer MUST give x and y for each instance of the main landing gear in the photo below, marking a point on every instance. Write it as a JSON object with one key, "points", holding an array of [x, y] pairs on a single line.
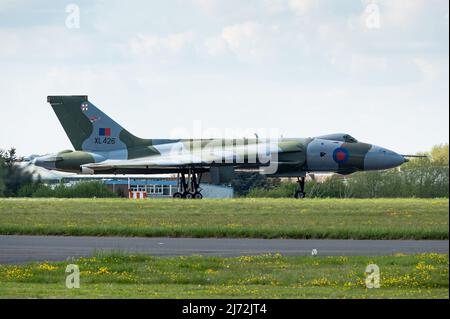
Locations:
{"points": [[300, 193], [189, 186]]}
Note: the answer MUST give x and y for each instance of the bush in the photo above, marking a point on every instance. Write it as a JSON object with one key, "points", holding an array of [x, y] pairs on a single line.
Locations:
{"points": [[427, 182], [244, 182], [2, 177], [80, 190], [280, 191], [423, 182], [29, 189]]}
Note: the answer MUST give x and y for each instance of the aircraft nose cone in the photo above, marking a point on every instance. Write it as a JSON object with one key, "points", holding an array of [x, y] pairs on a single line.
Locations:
{"points": [[37, 162], [382, 158], [44, 162]]}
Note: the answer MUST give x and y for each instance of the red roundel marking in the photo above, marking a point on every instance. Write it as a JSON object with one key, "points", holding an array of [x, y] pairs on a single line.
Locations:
{"points": [[340, 156]]}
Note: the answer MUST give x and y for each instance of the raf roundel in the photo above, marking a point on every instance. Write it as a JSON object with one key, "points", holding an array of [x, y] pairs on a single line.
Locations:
{"points": [[340, 155]]}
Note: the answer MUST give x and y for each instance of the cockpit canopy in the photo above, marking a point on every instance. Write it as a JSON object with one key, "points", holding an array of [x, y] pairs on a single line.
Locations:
{"points": [[340, 137]]}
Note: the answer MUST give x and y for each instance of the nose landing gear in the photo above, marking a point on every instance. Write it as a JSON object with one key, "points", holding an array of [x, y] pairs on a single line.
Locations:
{"points": [[190, 186], [300, 193]]}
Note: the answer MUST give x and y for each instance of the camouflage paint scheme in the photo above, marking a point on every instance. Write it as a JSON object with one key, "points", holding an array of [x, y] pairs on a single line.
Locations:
{"points": [[102, 146]]}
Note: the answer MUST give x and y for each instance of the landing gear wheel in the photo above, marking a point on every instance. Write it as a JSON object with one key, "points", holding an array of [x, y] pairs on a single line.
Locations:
{"points": [[189, 187], [299, 194], [198, 195]]}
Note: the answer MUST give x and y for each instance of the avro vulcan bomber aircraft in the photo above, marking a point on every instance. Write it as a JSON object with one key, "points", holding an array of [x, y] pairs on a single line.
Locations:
{"points": [[104, 147]]}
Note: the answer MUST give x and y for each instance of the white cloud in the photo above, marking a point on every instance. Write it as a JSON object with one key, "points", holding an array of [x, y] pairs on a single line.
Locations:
{"points": [[428, 70], [215, 46], [274, 6], [367, 65], [43, 43], [298, 7], [207, 6], [401, 13], [249, 40], [143, 45], [10, 44], [302, 7]]}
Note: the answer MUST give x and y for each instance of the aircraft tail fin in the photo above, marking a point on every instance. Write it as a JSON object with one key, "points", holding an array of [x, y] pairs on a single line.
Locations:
{"points": [[88, 128]]}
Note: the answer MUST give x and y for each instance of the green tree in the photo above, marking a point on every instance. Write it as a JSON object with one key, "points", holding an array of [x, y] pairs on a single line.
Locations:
{"points": [[14, 177], [2, 177], [439, 154]]}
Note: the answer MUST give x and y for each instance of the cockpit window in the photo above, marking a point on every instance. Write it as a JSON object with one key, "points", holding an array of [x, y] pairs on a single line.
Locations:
{"points": [[349, 139], [339, 137]]}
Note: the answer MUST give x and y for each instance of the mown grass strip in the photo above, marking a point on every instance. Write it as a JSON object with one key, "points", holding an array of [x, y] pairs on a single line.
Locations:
{"points": [[250, 218], [222, 233]]}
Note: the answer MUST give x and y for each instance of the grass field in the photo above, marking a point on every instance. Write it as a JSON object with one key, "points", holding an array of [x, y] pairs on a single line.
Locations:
{"points": [[268, 276], [263, 218]]}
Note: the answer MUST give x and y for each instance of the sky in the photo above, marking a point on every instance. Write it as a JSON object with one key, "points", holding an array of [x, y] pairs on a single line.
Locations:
{"points": [[378, 70]]}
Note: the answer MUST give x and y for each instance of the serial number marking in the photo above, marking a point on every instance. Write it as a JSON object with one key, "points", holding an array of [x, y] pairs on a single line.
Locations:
{"points": [[106, 140]]}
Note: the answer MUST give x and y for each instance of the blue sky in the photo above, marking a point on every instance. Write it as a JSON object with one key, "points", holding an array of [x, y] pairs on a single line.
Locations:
{"points": [[302, 67]]}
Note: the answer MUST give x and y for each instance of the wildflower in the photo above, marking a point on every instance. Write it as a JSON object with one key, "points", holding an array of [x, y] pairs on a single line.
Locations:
{"points": [[46, 266], [103, 270]]}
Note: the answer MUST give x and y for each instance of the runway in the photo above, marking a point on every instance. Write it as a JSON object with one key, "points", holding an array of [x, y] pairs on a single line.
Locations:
{"points": [[22, 249]]}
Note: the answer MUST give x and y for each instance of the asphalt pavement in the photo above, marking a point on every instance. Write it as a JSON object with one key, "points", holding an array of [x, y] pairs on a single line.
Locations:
{"points": [[23, 249]]}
